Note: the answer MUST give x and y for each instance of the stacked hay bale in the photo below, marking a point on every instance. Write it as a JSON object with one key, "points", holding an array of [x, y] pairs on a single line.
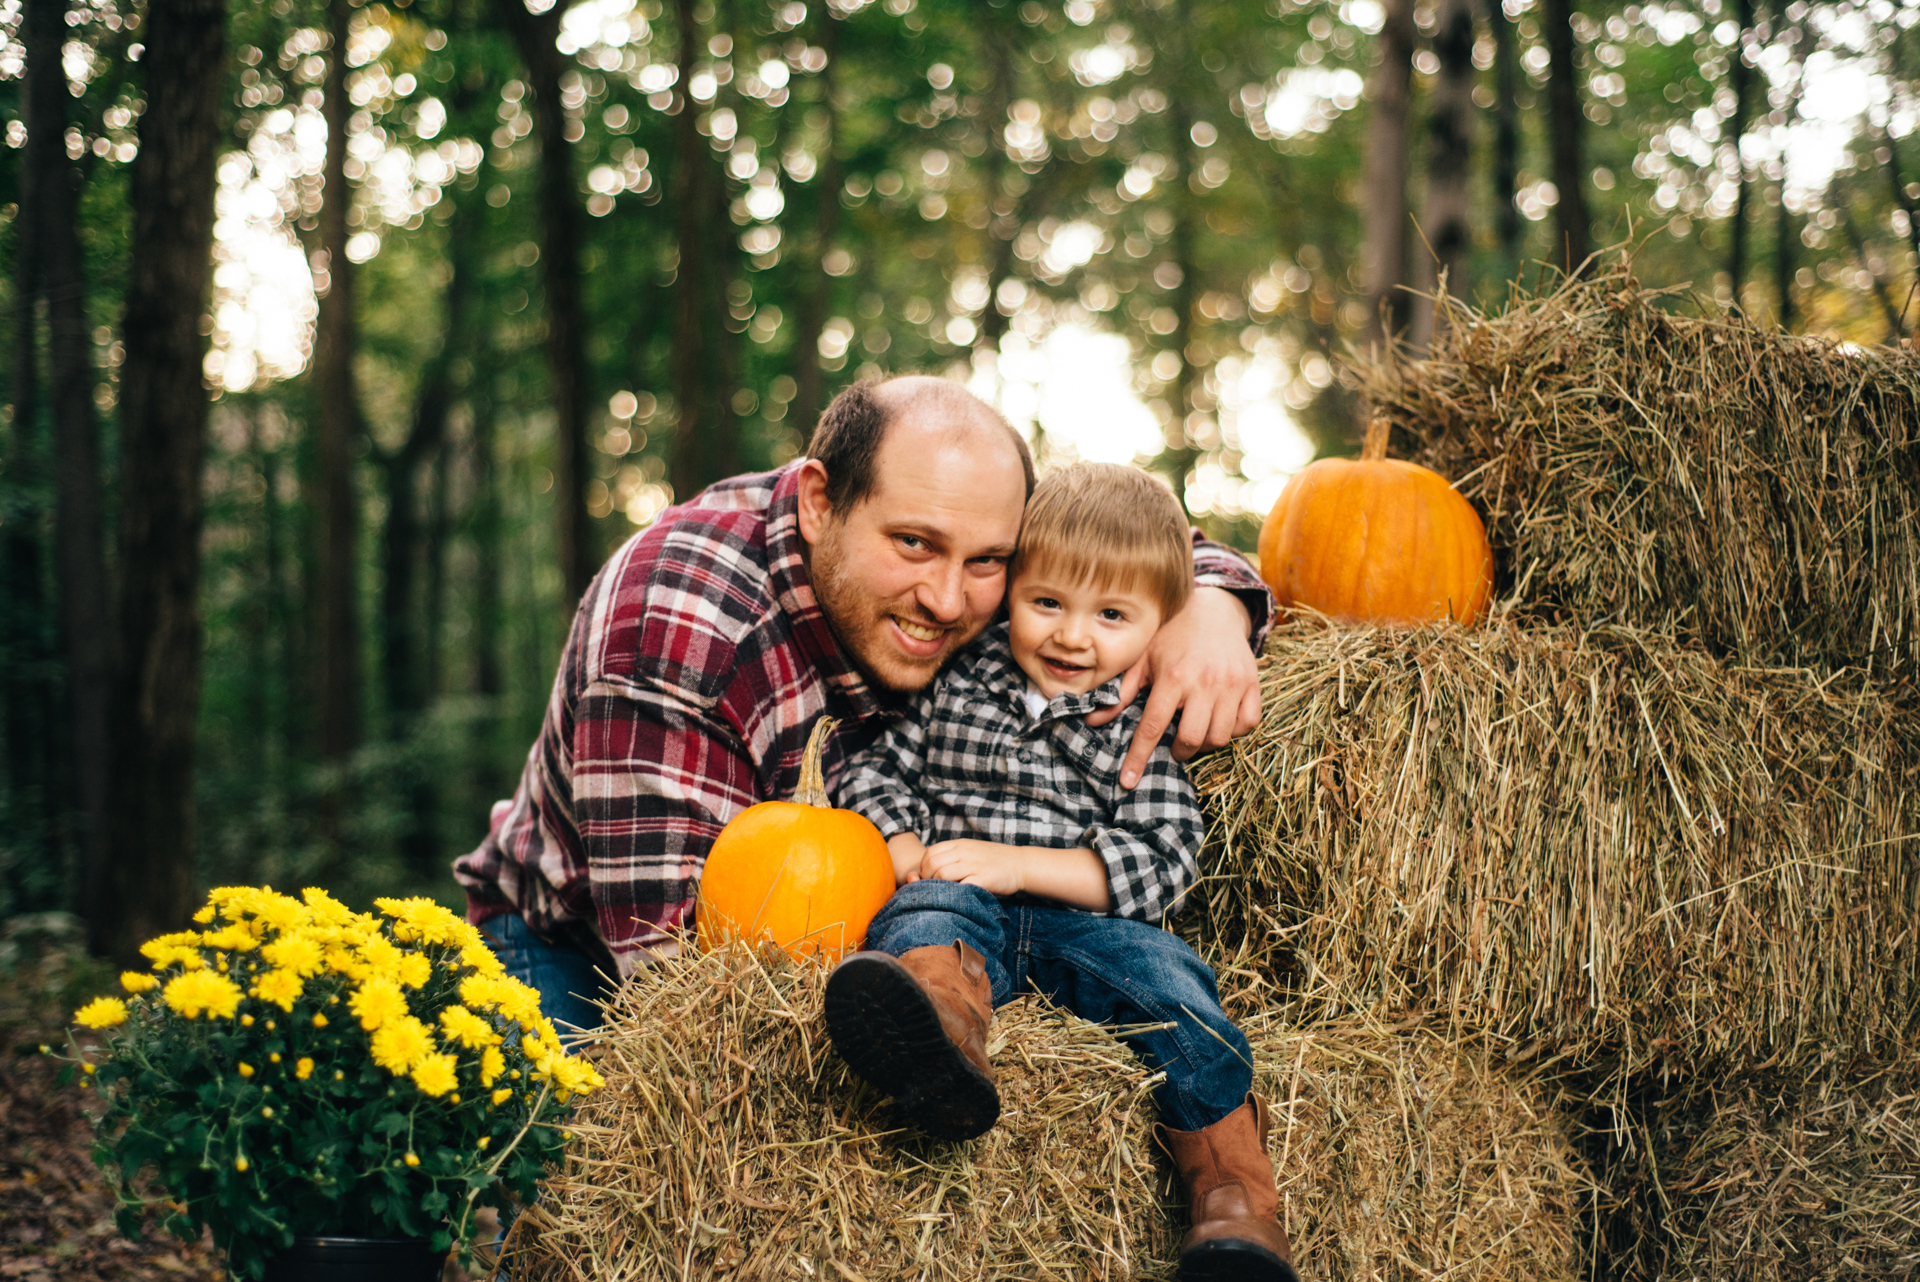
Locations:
{"points": [[1654, 829], [731, 1142], [1755, 491]]}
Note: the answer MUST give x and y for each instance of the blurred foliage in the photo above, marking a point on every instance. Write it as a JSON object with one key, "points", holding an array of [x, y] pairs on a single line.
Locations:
{"points": [[1180, 173]]}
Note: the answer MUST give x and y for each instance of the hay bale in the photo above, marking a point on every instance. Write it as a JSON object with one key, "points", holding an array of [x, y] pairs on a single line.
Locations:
{"points": [[1757, 490], [1402, 1154], [1765, 1180], [730, 1141], [1601, 846]]}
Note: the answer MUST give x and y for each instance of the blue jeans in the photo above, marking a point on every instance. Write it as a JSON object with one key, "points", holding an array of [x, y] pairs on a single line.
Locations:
{"points": [[1107, 970], [567, 980]]}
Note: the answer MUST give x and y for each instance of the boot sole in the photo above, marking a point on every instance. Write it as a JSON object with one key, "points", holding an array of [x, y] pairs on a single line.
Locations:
{"points": [[1234, 1261], [885, 1027]]}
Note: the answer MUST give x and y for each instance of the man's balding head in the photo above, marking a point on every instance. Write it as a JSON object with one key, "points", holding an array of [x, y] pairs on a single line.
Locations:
{"points": [[848, 437]]}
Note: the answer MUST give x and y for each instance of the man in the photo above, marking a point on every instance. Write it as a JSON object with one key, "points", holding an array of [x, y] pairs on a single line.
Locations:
{"points": [[708, 645]]}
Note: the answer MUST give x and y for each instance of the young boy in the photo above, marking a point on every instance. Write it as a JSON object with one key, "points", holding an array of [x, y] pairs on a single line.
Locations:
{"points": [[1023, 865]]}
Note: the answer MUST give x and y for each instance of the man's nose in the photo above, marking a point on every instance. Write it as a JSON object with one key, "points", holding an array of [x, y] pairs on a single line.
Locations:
{"points": [[943, 592]]}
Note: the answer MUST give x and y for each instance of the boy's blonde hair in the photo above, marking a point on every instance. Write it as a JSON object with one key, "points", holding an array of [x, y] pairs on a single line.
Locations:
{"points": [[1112, 526]]}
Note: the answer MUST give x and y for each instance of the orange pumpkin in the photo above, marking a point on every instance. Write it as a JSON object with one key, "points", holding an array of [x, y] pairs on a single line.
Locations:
{"points": [[1376, 540], [799, 874]]}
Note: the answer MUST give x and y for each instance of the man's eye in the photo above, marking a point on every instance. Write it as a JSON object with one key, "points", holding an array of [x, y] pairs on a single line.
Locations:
{"points": [[912, 542]]}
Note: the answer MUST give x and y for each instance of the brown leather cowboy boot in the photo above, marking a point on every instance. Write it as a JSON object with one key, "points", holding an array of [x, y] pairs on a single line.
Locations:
{"points": [[1229, 1183], [915, 1027]]}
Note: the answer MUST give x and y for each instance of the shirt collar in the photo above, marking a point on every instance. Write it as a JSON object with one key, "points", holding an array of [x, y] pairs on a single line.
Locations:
{"points": [[997, 670], [792, 586]]}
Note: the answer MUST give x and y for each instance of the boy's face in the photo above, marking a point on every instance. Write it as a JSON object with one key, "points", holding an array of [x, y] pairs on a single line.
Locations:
{"points": [[1070, 638]]}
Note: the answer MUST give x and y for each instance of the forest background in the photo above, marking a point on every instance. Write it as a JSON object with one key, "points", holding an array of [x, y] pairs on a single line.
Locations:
{"points": [[346, 339]]}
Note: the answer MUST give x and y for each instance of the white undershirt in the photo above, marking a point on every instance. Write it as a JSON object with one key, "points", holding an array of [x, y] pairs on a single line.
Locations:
{"points": [[1036, 702]]}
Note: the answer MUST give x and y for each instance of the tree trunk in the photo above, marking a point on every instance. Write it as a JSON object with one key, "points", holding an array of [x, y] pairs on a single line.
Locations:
{"points": [[31, 808], [1741, 77], [1177, 52], [809, 379], [535, 35], [1383, 213], [1450, 146], [79, 529], [1506, 139], [1003, 210], [1564, 122], [163, 423], [690, 391], [337, 661]]}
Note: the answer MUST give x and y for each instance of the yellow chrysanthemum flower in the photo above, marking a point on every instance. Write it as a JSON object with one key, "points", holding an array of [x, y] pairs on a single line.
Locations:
{"points": [[281, 987], [202, 991], [401, 1043], [138, 982], [380, 953], [326, 910], [246, 1069], [377, 1001], [413, 970], [282, 913], [492, 1064], [298, 953], [577, 1076], [504, 993], [205, 915], [101, 1012], [477, 957], [230, 939], [466, 1028], [178, 947], [303, 1069], [501, 1096], [434, 1074]]}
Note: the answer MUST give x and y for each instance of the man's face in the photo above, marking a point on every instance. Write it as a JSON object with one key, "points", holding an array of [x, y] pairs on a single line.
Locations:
{"points": [[917, 569]]}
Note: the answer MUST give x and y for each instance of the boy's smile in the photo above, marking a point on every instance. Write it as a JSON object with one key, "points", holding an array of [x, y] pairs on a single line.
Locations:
{"points": [[1070, 638]]}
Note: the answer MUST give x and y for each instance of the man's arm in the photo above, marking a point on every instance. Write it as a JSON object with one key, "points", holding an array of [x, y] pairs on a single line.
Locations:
{"points": [[1200, 664]]}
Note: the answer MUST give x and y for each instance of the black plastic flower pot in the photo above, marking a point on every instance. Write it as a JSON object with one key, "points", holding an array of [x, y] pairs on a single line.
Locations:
{"points": [[357, 1259]]}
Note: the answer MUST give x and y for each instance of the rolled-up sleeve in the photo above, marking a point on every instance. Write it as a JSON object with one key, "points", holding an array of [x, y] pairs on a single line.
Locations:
{"points": [[1217, 566]]}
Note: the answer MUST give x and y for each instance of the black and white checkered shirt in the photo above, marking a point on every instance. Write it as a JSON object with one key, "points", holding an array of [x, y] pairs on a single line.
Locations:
{"points": [[969, 760]]}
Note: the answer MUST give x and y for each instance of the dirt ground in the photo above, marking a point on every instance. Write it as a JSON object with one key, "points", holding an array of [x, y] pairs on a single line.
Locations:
{"points": [[56, 1213]]}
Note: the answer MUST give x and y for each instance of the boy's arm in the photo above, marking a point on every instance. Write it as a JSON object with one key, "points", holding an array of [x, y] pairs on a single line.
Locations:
{"points": [[1149, 851], [1077, 877], [882, 783]]}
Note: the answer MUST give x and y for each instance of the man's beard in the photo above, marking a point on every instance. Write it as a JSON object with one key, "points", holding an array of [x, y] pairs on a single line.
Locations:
{"points": [[860, 622]]}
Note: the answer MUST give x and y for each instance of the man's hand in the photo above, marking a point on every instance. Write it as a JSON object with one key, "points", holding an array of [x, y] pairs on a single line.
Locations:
{"points": [[1202, 668], [994, 868]]}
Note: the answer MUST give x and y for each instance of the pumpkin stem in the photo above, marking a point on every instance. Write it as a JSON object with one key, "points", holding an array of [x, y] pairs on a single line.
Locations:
{"points": [[1375, 448], [813, 784]]}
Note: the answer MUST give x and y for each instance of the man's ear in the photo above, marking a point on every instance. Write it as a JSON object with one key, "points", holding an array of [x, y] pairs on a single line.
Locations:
{"points": [[815, 510]]}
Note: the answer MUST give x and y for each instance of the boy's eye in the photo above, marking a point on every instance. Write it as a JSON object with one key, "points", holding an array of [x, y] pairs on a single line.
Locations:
{"points": [[1112, 615], [1046, 603]]}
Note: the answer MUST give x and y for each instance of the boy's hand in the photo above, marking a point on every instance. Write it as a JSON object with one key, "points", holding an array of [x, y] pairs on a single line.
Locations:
{"points": [[1202, 668], [907, 851], [994, 868]]}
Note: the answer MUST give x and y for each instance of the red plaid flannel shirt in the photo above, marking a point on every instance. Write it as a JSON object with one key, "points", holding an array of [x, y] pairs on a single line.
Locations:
{"points": [[697, 664]]}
